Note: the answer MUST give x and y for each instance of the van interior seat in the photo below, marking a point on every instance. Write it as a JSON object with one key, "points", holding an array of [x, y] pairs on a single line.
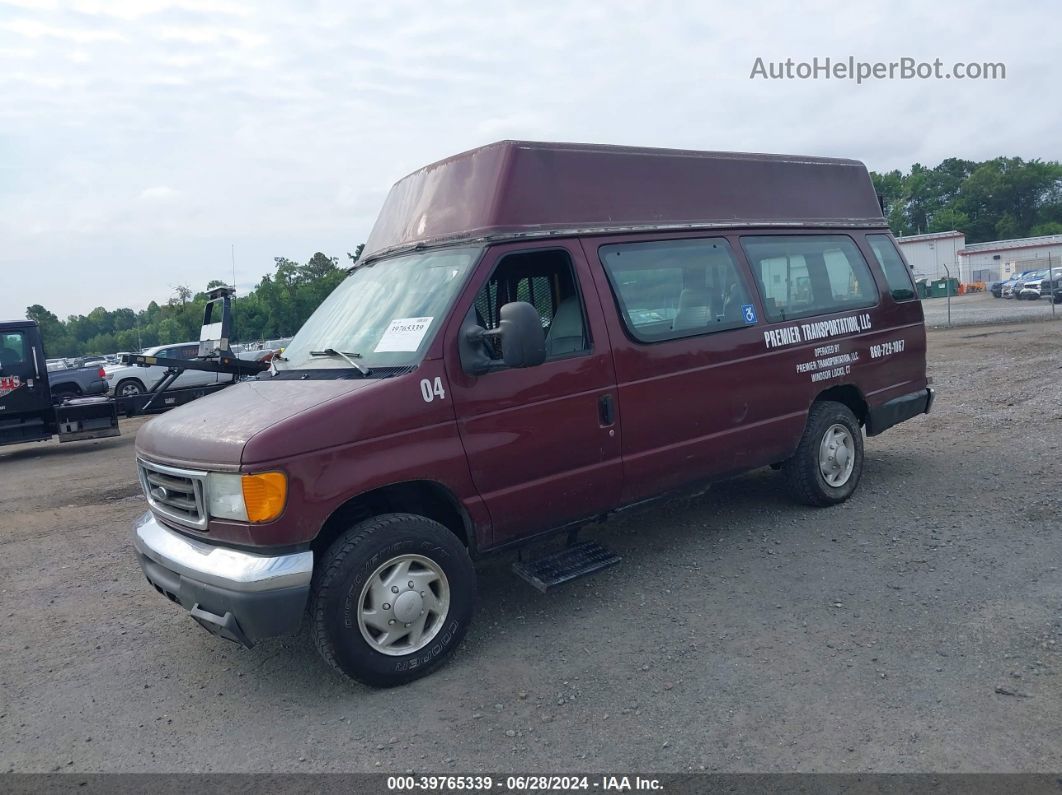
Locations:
{"points": [[692, 309], [566, 333]]}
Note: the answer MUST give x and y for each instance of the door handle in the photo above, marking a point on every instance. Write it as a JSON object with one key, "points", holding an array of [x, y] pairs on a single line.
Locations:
{"points": [[606, 409]]}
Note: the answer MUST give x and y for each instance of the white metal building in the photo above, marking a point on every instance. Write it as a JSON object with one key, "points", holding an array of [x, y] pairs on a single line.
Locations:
{"points": [[1002, 258], [935, 255], [932, 256]]}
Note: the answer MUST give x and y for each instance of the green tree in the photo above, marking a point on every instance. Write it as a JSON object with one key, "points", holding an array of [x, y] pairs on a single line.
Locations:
{"points": [[999, 198], [278, 305]]}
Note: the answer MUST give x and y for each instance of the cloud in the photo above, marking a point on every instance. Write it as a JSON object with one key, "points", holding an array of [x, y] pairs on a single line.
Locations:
{"points": [[33, 30], [159, 193], [139, 138]]}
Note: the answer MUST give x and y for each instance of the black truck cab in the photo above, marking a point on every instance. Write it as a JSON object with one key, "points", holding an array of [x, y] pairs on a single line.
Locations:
{"points": [[29, 412], [26, 412]]}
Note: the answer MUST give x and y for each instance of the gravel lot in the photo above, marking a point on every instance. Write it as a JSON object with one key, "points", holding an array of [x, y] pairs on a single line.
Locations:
{"points": [[982, 308], [916, 627]]}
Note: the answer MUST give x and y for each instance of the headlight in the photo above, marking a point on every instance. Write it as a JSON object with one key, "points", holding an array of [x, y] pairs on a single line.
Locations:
{"points": [[247, 498]]}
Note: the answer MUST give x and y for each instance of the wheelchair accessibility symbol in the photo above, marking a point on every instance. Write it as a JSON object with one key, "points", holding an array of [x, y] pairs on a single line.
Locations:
{"points": [[748, 311]]}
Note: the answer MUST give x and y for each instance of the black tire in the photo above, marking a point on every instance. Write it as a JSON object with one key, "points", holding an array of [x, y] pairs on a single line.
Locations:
{"points": [[129, 387], [61, 393], [342, 575], [803, 474]]}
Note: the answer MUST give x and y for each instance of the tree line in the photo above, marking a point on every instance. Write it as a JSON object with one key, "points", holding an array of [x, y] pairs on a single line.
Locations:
{"points": [[995, 199], [275, 308]]}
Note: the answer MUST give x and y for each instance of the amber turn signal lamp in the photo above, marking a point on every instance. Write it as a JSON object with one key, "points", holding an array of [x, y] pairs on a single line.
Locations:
{"points": [[264, 495]]}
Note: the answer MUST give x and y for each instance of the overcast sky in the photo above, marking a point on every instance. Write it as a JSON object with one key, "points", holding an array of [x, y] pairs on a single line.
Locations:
{"points": [[141, 139]]}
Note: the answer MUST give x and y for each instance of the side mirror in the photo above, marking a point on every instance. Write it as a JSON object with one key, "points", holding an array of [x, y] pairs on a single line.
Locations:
{"points": [[523, 342]]}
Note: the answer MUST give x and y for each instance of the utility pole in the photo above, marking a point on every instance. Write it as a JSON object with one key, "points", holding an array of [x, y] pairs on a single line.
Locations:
{"points": [[233, 252]]}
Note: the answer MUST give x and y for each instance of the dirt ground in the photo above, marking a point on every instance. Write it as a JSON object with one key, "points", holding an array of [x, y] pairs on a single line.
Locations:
{"points": [[915, 628]]}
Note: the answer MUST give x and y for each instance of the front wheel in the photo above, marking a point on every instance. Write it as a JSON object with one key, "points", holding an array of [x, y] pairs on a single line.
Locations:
{"points": [[391, 599], [826, 467]]}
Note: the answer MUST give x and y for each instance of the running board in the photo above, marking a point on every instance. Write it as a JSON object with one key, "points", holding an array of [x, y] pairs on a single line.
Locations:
{"points": [[577, 560]]}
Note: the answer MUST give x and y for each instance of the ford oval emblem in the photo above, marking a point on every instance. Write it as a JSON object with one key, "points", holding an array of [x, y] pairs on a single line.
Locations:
{"points": [[160, 493]]}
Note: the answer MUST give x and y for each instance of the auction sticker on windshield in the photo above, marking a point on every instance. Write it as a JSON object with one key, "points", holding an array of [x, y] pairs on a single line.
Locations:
{"points": [[404, 334]]}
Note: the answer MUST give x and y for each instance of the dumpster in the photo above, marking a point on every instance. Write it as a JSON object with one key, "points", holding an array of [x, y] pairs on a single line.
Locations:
{"points": [[941, 288], [923, 288]]}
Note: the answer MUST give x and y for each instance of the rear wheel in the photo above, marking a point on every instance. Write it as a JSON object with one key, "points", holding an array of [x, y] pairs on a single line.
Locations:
{"points": [[391, 599], [129, 387], [827, 465], [61, 393]]}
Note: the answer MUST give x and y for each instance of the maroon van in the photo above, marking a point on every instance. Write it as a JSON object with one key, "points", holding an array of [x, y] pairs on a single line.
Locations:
{"points": [[536, 335]]}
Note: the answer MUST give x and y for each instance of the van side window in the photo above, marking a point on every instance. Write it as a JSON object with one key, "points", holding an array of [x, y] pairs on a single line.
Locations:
{"points": [[676, 288], [896, 273], [802, 275], [546, 280]]}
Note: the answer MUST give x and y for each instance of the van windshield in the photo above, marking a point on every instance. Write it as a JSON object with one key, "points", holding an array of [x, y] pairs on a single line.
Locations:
{"points": [[384, 314]]}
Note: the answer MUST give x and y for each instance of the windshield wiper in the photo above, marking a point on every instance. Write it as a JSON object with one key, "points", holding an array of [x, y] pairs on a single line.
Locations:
{"points": [[350, 357]]}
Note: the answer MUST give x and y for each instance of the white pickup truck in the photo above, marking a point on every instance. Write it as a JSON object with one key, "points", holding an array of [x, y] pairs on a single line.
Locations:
{"points": [[126, 380]]}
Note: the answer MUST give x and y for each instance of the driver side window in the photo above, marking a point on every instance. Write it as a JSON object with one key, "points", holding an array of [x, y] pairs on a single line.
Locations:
{"points": [[546, 280], [12, 349]]}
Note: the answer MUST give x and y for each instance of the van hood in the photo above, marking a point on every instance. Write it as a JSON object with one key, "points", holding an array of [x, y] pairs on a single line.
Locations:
{"points": [[220, 430]]}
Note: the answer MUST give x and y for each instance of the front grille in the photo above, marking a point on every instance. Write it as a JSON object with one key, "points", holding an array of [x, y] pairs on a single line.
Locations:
{"points": [[175, 494]]}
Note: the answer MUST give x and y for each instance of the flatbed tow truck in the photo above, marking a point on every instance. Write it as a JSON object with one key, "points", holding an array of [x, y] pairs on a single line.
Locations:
{"points": [[27, 412]]}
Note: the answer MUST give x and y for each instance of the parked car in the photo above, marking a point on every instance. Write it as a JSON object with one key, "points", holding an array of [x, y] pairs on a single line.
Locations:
{"points": [[526, 345], [1012, 286], [996, 288], [126, 380], [1039, 285]]}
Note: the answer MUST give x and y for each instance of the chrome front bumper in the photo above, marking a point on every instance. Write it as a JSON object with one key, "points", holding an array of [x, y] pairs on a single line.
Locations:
{"points": [[220, 566], [241, 596]]}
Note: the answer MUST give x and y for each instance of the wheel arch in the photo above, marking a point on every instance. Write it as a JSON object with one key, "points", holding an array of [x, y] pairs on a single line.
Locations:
{"points": [[848, 395], [427, 498]]}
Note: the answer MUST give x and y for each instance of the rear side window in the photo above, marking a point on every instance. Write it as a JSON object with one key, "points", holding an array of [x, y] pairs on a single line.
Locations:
{"points": [[677, 288], [807, 275], [896, 273]]}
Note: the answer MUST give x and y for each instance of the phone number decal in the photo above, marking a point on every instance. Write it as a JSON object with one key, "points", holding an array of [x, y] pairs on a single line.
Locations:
{"points": [[886, 349]]}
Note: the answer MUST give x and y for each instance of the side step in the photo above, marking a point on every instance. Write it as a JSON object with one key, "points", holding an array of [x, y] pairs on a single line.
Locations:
{"points": [[577, 560]]}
